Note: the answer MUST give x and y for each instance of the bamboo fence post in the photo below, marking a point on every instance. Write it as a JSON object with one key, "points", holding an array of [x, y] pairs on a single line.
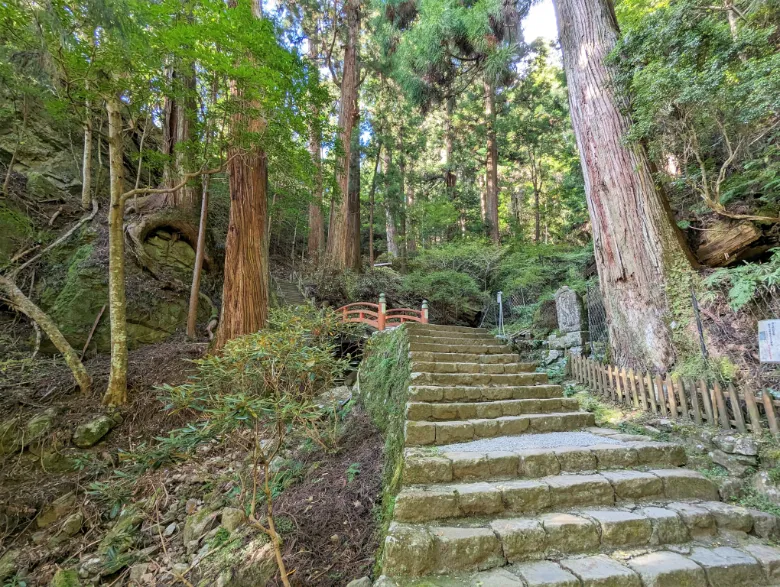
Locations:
{"points": [[618, 387], [634, 394], [661, 397], [722, 411], [680, 389], [603, 379], [592, 375], [624, 386], [752, 410], [608, 375], [640, 379], [694, 400], [670, 395], [770, 412], [705, 398], [651, 393], [739, 419]]}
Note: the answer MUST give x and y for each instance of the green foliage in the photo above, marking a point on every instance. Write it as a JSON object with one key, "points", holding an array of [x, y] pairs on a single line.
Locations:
{"points": [[352, 472], [449, 292], [744, 282], [704, 96], [293, 359]]}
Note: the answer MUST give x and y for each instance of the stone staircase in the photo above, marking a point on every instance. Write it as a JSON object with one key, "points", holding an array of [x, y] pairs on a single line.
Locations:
{"points": [[506, 483], [288, 293]]}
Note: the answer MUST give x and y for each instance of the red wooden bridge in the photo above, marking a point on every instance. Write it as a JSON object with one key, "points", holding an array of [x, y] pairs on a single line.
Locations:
{"points": [[379, 317]]}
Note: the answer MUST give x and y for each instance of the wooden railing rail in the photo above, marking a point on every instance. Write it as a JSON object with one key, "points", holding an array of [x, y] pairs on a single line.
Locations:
{"points": [[379, 317], [672, 397]]}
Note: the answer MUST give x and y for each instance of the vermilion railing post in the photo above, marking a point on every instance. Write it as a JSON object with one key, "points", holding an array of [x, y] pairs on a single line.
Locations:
{"points": [[425, 312], [382, 309]]}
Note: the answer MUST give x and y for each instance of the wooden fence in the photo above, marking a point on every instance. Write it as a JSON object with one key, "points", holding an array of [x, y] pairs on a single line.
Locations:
{"points": [[670, 397]]}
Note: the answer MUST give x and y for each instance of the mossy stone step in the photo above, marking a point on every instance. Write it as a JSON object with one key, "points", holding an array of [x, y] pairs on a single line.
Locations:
{"points": [[424, 503], [441, 433], [418, 328], [463, 358], [447, 337], [473, 368], [435, 547], [459, 347], [438, 412], [422, 467], [433, 393], [477, 379]]}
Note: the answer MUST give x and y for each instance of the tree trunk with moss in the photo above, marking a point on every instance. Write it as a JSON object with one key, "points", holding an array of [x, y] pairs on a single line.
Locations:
{"points": [[23, 304], [340, 238], [116, 393], [643, 264], [178, 120]]}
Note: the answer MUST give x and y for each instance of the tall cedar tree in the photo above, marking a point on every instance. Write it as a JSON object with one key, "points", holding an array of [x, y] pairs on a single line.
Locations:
{"points": [[341, 253], [643, 264], [245, 287]]}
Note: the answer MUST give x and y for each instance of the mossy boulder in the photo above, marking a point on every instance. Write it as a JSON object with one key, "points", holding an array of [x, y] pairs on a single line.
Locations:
{"points": [[90, 433], [172, 253], [8, 563], [65, 578], [15, 231], [56, 510], [153, 313], [15, 434]]}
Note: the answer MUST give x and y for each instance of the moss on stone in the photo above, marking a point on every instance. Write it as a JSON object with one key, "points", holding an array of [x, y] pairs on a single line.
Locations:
{"points": [[383, 381], [15, 230]]}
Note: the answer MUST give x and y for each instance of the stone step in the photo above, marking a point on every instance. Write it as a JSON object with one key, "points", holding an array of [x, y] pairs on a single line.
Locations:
{"points": [[418, 328], [463, 551], [423, 468], [438, 412], [463, 358], [441, 433], [448, 336], [481, 340], [459, 347], [431, 393], [468, 379], [559, 534], [473, 368], [425, 503]]}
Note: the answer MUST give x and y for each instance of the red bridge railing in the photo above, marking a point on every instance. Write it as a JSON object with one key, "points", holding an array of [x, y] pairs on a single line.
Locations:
{"points": [[378, 316]]}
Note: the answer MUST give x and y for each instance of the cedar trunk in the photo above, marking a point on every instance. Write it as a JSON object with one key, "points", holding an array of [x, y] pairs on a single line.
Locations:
{"points": [[353, 201], [644, 267], [340, 250], [245, 288], [392, 243], [316, 220], [116, 393], [371, 195], [491, 183]]}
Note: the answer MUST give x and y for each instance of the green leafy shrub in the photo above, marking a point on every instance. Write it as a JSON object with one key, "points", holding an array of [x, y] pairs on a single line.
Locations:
{"points": [[450, 293], [743, 282]]}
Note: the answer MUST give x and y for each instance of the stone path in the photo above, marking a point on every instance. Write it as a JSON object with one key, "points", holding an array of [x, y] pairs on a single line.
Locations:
{"points": [[506, 483], [289, 294]]}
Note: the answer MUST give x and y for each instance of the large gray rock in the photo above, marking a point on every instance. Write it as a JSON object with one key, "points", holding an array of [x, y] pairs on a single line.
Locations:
{"points": [[734, 463], [568, 340], [571, 313]]}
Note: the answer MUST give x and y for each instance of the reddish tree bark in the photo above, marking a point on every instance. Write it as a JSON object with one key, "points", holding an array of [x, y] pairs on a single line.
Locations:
{"points": [[340, 250], [644, 266]]}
